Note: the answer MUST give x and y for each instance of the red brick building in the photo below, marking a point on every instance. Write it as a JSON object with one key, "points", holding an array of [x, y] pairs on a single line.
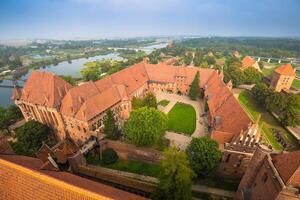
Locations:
{"points": [[271, 176], [79, 110]]}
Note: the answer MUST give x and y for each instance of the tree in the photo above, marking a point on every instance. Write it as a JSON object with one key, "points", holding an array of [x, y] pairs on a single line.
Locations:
{"points": [[252, 75], [9, 116], [145, 126], [198, 58], [111, 129], [204, 155], [137, 103], [30, 137], [290, 115], [175, 180], [234, 74], [150, 100], [4, 120], [69, 79], [187, 58], [195, 90]]}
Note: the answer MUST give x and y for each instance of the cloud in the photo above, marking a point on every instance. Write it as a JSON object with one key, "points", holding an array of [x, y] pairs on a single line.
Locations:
{"points": [[139, 5]]}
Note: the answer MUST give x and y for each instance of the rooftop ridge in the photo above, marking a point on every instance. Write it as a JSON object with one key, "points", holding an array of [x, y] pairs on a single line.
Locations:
{"points": [[51, 180]]}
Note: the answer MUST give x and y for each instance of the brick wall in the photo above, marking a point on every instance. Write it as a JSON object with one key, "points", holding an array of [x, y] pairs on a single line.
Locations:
{"points": [[17, 182]]}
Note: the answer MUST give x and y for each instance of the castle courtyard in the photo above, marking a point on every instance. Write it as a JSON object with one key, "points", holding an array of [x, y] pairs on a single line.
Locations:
{"points": [[201, 130]]}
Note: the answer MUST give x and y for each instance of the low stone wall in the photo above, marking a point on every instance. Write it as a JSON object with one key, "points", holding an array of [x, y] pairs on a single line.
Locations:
{"points": [[131, 152]]}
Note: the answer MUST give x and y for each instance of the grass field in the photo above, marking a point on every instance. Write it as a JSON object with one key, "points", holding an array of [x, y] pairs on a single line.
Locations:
{"points": [[267, 121], [137, 167], [296, 84], [133, 166], [164, 102], [298, 73], [182, 118]]}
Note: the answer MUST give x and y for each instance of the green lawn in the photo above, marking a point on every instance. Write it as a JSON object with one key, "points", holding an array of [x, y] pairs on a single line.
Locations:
{"points": [[298, 73], [135, 166], [267, 72], [164, 102], [296, 84], [267, 122], [182, 118]]}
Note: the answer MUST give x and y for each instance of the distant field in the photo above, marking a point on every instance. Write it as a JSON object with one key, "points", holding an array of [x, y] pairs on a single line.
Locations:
{"points": [[267, 121], [296, 84], [182, 119]]}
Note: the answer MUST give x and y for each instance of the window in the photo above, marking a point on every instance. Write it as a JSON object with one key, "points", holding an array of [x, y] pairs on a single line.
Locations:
{"points": [[228, 157], [78, 128]]}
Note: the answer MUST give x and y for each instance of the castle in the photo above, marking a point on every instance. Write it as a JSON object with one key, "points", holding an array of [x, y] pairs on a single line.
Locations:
{"points": [[79, 110]]}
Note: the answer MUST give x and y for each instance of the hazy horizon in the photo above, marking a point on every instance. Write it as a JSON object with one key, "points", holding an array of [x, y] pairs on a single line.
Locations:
{"points": [[97, 19]]}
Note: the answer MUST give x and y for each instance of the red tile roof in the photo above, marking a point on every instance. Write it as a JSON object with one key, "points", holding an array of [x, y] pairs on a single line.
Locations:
{"points": [[247, 62], [224, 106], [286, 69], [288, 166], [44, 88], [34, 164]]}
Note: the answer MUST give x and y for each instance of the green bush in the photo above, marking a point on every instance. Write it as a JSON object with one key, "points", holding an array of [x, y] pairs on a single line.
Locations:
{"points": [[109, 156]]}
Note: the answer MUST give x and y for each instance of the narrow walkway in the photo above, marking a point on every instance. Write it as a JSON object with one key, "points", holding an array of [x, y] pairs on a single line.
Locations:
{"points": [[216, 191], [180, 141]]}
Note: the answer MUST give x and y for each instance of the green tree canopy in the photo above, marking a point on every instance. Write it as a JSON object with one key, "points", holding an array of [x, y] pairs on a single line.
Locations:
{"points": [[204, 155], [150, 100], [69, 79], [30, 137], [252, 75], [111, 129], [145, 126], [195, 90], [176, 177], [9, 116]]}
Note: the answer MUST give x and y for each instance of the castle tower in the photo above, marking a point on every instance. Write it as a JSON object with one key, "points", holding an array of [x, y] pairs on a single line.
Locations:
{"points": [[283, 77], [250, 174]]}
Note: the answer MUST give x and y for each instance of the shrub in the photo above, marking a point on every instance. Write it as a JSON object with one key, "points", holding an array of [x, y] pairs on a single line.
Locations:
{"points": [[109, 156]]}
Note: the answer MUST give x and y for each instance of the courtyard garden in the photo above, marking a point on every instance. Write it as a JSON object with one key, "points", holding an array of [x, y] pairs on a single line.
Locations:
{"points": [[270, 126], [182, 119]]}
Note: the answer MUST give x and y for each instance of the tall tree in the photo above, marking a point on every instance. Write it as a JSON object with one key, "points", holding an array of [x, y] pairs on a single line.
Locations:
{"points": [[30, 137], [145, 126], [150, 100], [111, 129], [204, 155], [195, 89], [176, 177]]}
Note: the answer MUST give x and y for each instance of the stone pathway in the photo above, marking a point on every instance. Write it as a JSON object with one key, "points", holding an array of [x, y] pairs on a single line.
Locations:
{"points": [[216, 191], [179, 140]]}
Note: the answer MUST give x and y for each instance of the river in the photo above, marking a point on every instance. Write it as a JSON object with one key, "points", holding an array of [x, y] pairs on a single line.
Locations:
{"points": [[66, 68]]}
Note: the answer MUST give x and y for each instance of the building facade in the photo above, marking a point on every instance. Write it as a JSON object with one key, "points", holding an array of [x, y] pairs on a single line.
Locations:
{"points": [[283, 77], [78, 111], [271, 176]]}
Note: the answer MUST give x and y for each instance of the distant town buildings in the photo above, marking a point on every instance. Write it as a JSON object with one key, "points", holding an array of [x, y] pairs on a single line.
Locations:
{"points": [[283, 77], [236, 54], [248, 61]]}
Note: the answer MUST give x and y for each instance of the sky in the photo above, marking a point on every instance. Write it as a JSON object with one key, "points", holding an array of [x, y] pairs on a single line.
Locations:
{"points": [[71, 19]]}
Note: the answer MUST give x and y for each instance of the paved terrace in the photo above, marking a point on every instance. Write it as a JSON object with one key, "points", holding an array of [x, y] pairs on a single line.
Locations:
{"points": [[181, 140]]}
